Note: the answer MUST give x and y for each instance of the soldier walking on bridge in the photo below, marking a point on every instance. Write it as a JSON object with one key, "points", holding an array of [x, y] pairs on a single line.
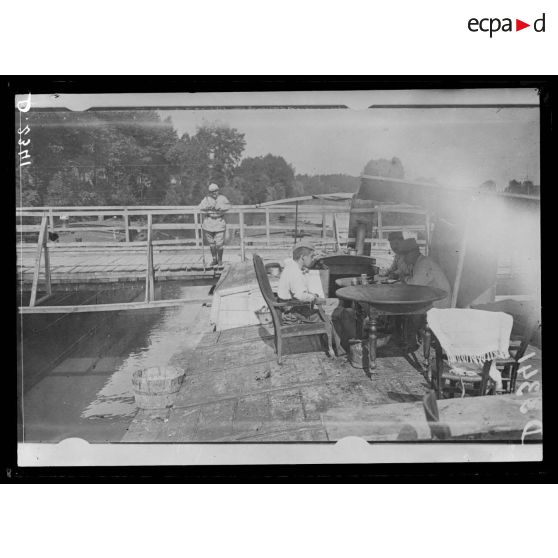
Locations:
{"points": [[213, 207]]}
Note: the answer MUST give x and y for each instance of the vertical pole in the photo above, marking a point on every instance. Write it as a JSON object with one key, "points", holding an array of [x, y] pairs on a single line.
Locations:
{"points": [[324, 226], [51, 219], [126, 224], [296, 222], [241, 225], [40, 244], [336, 232], [427, 235], [149, 278], [380, 230], [462, 252], [47, 267], [267, 234], [197, 228]]}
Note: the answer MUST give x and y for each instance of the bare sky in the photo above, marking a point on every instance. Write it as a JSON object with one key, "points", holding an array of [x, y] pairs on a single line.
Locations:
{"points": [[456, 146]]}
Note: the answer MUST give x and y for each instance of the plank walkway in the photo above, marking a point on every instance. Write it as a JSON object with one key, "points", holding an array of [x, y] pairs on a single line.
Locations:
{"points": [[96, 266]]}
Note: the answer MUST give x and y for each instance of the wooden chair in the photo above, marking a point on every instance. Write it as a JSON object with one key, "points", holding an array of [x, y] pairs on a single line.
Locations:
{"points": [[447, 382], [526, 326], [284, 331], [477, 385], [510, 366]]}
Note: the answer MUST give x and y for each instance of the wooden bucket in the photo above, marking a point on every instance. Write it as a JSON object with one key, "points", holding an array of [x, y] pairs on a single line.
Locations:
{"points": [[359, 352], [156, 387]]}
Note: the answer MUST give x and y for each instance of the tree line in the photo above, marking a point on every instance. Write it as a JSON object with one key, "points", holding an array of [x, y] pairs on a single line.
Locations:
{"points": [[137, 158]]}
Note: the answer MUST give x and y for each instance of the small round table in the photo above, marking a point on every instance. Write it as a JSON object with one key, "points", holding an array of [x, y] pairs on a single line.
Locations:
{"points": [[348, 281], [396, 300]]}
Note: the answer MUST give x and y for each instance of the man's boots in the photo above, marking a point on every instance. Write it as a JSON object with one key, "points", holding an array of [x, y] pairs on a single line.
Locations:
{"points": [[220, 256], [214, 254]]}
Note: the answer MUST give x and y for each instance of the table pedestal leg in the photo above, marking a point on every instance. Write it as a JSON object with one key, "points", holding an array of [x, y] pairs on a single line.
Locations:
{"points": [[372, 340], [360, 319], [427, 339]]}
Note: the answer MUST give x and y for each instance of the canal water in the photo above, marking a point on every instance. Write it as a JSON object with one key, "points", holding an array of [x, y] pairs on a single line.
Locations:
{"points": [[75, 370]]}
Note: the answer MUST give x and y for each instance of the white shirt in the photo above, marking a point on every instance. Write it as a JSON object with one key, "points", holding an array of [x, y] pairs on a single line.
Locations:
{"points": [[293, 283]]}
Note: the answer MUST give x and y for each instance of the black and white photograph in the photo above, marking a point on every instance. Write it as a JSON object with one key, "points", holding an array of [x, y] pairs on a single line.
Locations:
{"points": [[293, 276]]}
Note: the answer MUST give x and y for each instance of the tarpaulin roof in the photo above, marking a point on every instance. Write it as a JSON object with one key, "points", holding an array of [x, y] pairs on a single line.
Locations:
{"points": [[470, 222]]}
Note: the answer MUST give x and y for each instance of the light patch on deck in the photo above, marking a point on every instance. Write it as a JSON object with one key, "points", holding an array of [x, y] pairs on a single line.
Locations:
{"points": [[178, 330]]}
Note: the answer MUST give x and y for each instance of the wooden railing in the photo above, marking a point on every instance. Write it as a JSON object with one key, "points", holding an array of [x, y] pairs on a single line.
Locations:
{"points": [[246, 225], [320, 223], [58, 220]]}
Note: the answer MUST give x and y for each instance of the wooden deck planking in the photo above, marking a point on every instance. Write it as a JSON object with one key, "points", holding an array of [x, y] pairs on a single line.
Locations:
{"points": [[235, 390], [467, 417]]}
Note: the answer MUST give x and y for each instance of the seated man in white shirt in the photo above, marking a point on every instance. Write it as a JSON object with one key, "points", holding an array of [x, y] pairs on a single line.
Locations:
{"points": [[293, 284]]}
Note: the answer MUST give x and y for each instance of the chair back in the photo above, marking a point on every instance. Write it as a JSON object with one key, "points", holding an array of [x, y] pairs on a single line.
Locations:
{"points": [[533, 323], [267, 292]]}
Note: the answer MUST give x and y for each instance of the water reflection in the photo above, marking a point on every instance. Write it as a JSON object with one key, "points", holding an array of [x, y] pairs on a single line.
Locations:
{"points": [[75, 375], [165, 339]]}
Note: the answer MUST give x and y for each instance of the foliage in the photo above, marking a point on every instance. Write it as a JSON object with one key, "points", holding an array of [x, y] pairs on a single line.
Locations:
{"points": [[262, 179], [488, 186], [211, 155], [382, 167], [524, 187], [133, 157], [99, 158]]}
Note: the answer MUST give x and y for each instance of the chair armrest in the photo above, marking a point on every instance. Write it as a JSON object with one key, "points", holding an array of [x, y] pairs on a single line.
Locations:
{"points": [[504, 361], [292, 302]]}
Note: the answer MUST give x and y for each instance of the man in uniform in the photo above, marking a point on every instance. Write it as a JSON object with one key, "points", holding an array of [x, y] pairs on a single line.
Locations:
{"points": [[213, 207], [425, 271], [398, 269]]}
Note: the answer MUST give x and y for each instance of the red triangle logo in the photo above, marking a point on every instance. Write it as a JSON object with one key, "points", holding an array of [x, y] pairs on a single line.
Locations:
{"points": [[519, 25]]}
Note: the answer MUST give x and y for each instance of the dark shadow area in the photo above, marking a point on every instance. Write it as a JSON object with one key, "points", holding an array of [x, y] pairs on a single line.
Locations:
{"points": [[403, 397], [294, 345]]}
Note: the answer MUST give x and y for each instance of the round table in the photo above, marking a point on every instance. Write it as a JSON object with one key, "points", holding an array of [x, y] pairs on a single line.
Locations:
{"points": [[396, 299], [347, 281]]}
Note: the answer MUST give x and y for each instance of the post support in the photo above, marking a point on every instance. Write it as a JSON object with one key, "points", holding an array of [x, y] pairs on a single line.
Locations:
{"points": [[427, 233], [336, 233], [127, 224], [150, 273], [267, 233], [41, 244], [241, 225], [462, 252], [296, 223]]}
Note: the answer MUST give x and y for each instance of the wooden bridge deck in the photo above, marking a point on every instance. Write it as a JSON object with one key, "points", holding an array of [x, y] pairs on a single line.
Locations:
{"points": [[103, 266]]}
